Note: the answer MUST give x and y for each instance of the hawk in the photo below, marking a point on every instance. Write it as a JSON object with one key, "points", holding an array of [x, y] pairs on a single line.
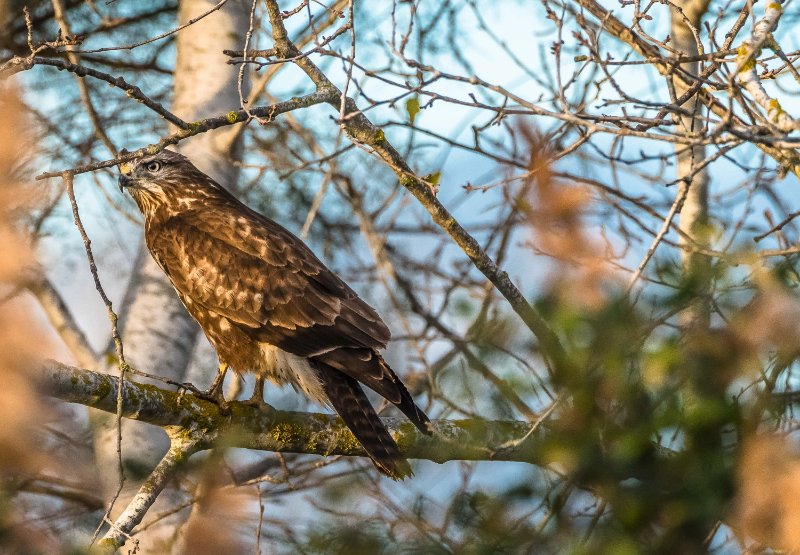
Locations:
{"points": [[266, 303]]}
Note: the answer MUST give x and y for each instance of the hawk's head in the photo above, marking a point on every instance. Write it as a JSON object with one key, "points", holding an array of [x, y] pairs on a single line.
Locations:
{"points": [[162, 179], [150, 172]]}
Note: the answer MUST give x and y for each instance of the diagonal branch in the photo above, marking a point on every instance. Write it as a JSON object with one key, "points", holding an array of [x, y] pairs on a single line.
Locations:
{"points": [[23, 64], [181, 448], [363, 132], [60, 317], [746, 65]]}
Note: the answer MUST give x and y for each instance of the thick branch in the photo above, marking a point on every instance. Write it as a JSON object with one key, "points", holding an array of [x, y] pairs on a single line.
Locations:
{"points": [[692, 198], [287, 431]]}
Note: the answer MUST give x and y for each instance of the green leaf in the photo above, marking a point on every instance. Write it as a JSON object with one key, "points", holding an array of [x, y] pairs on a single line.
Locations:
{"points": [[412, 107], [433, 178]]}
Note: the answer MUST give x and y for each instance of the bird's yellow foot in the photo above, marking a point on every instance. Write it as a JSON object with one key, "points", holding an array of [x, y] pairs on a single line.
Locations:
{"points": [[212, 394], [256, 400], [216, 397]]}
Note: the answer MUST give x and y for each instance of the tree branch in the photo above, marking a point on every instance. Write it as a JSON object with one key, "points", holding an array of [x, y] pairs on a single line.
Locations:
{"points": [[197, 127], [62, 320], [194, 425], [181, 448], [22, 64], [363, 132], [286, 431], [786, 157], [746, 65]]}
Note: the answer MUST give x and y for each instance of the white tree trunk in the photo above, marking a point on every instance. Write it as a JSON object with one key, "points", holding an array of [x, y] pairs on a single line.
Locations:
{"points": [[158, 334], [205, 84], [694, 212]]}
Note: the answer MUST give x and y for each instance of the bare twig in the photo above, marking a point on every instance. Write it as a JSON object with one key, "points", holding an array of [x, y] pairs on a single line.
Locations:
{"points": [[86, 97], [113, 318], [197, 127], [82, 71], [192, 21], [787, 158], [362, 131]]}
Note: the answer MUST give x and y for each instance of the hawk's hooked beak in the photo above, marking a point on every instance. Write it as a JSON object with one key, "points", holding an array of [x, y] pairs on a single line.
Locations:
{"points": [[124, 181], [125, 170]]}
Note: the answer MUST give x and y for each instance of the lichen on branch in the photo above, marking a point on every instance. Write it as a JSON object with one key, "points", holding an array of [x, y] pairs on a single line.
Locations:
{"points": [[286, 431]]}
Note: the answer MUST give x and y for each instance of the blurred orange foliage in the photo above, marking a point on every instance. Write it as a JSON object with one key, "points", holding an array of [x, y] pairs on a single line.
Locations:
{"points": [[19, 336], [21, 410], [555, 211], [769, 486], [218, 502]]}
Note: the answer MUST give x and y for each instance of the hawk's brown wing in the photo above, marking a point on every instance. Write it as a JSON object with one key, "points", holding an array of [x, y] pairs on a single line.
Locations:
{"points": [[258, 275], [237, 263]]}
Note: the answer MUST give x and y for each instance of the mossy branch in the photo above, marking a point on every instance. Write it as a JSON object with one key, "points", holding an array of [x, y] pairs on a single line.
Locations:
{"points": [[195, 424], [286, 431]]}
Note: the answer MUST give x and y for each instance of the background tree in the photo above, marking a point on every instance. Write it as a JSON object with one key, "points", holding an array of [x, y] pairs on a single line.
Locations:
{"points": [[577, 218]]}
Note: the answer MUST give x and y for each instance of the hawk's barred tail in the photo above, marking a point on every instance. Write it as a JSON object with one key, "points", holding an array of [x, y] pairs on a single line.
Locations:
{"points": [[352, 405], [406, 405]]}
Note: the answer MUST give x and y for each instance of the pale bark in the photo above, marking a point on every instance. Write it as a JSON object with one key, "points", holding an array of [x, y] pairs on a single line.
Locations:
{"points": [[206, 85], [693, 184], [158, 333], [748, 71]]}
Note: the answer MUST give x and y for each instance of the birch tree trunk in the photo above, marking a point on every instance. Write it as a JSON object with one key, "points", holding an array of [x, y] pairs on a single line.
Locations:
{"points": [[693, 186], [158, 334]]}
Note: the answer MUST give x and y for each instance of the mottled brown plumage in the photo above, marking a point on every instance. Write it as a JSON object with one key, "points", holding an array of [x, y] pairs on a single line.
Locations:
{"points": [[266, 303]]}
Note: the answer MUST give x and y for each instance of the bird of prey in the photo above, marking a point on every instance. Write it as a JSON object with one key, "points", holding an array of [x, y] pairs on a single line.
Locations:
{"points": [[266, 303]]}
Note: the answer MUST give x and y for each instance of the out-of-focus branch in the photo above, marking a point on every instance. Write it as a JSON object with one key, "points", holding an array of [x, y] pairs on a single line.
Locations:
{"points": [[363, 132], [74, 493]]}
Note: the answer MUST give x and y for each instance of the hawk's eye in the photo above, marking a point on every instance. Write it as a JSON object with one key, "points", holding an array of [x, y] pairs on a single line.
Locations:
{"points": [[153, 166]]}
